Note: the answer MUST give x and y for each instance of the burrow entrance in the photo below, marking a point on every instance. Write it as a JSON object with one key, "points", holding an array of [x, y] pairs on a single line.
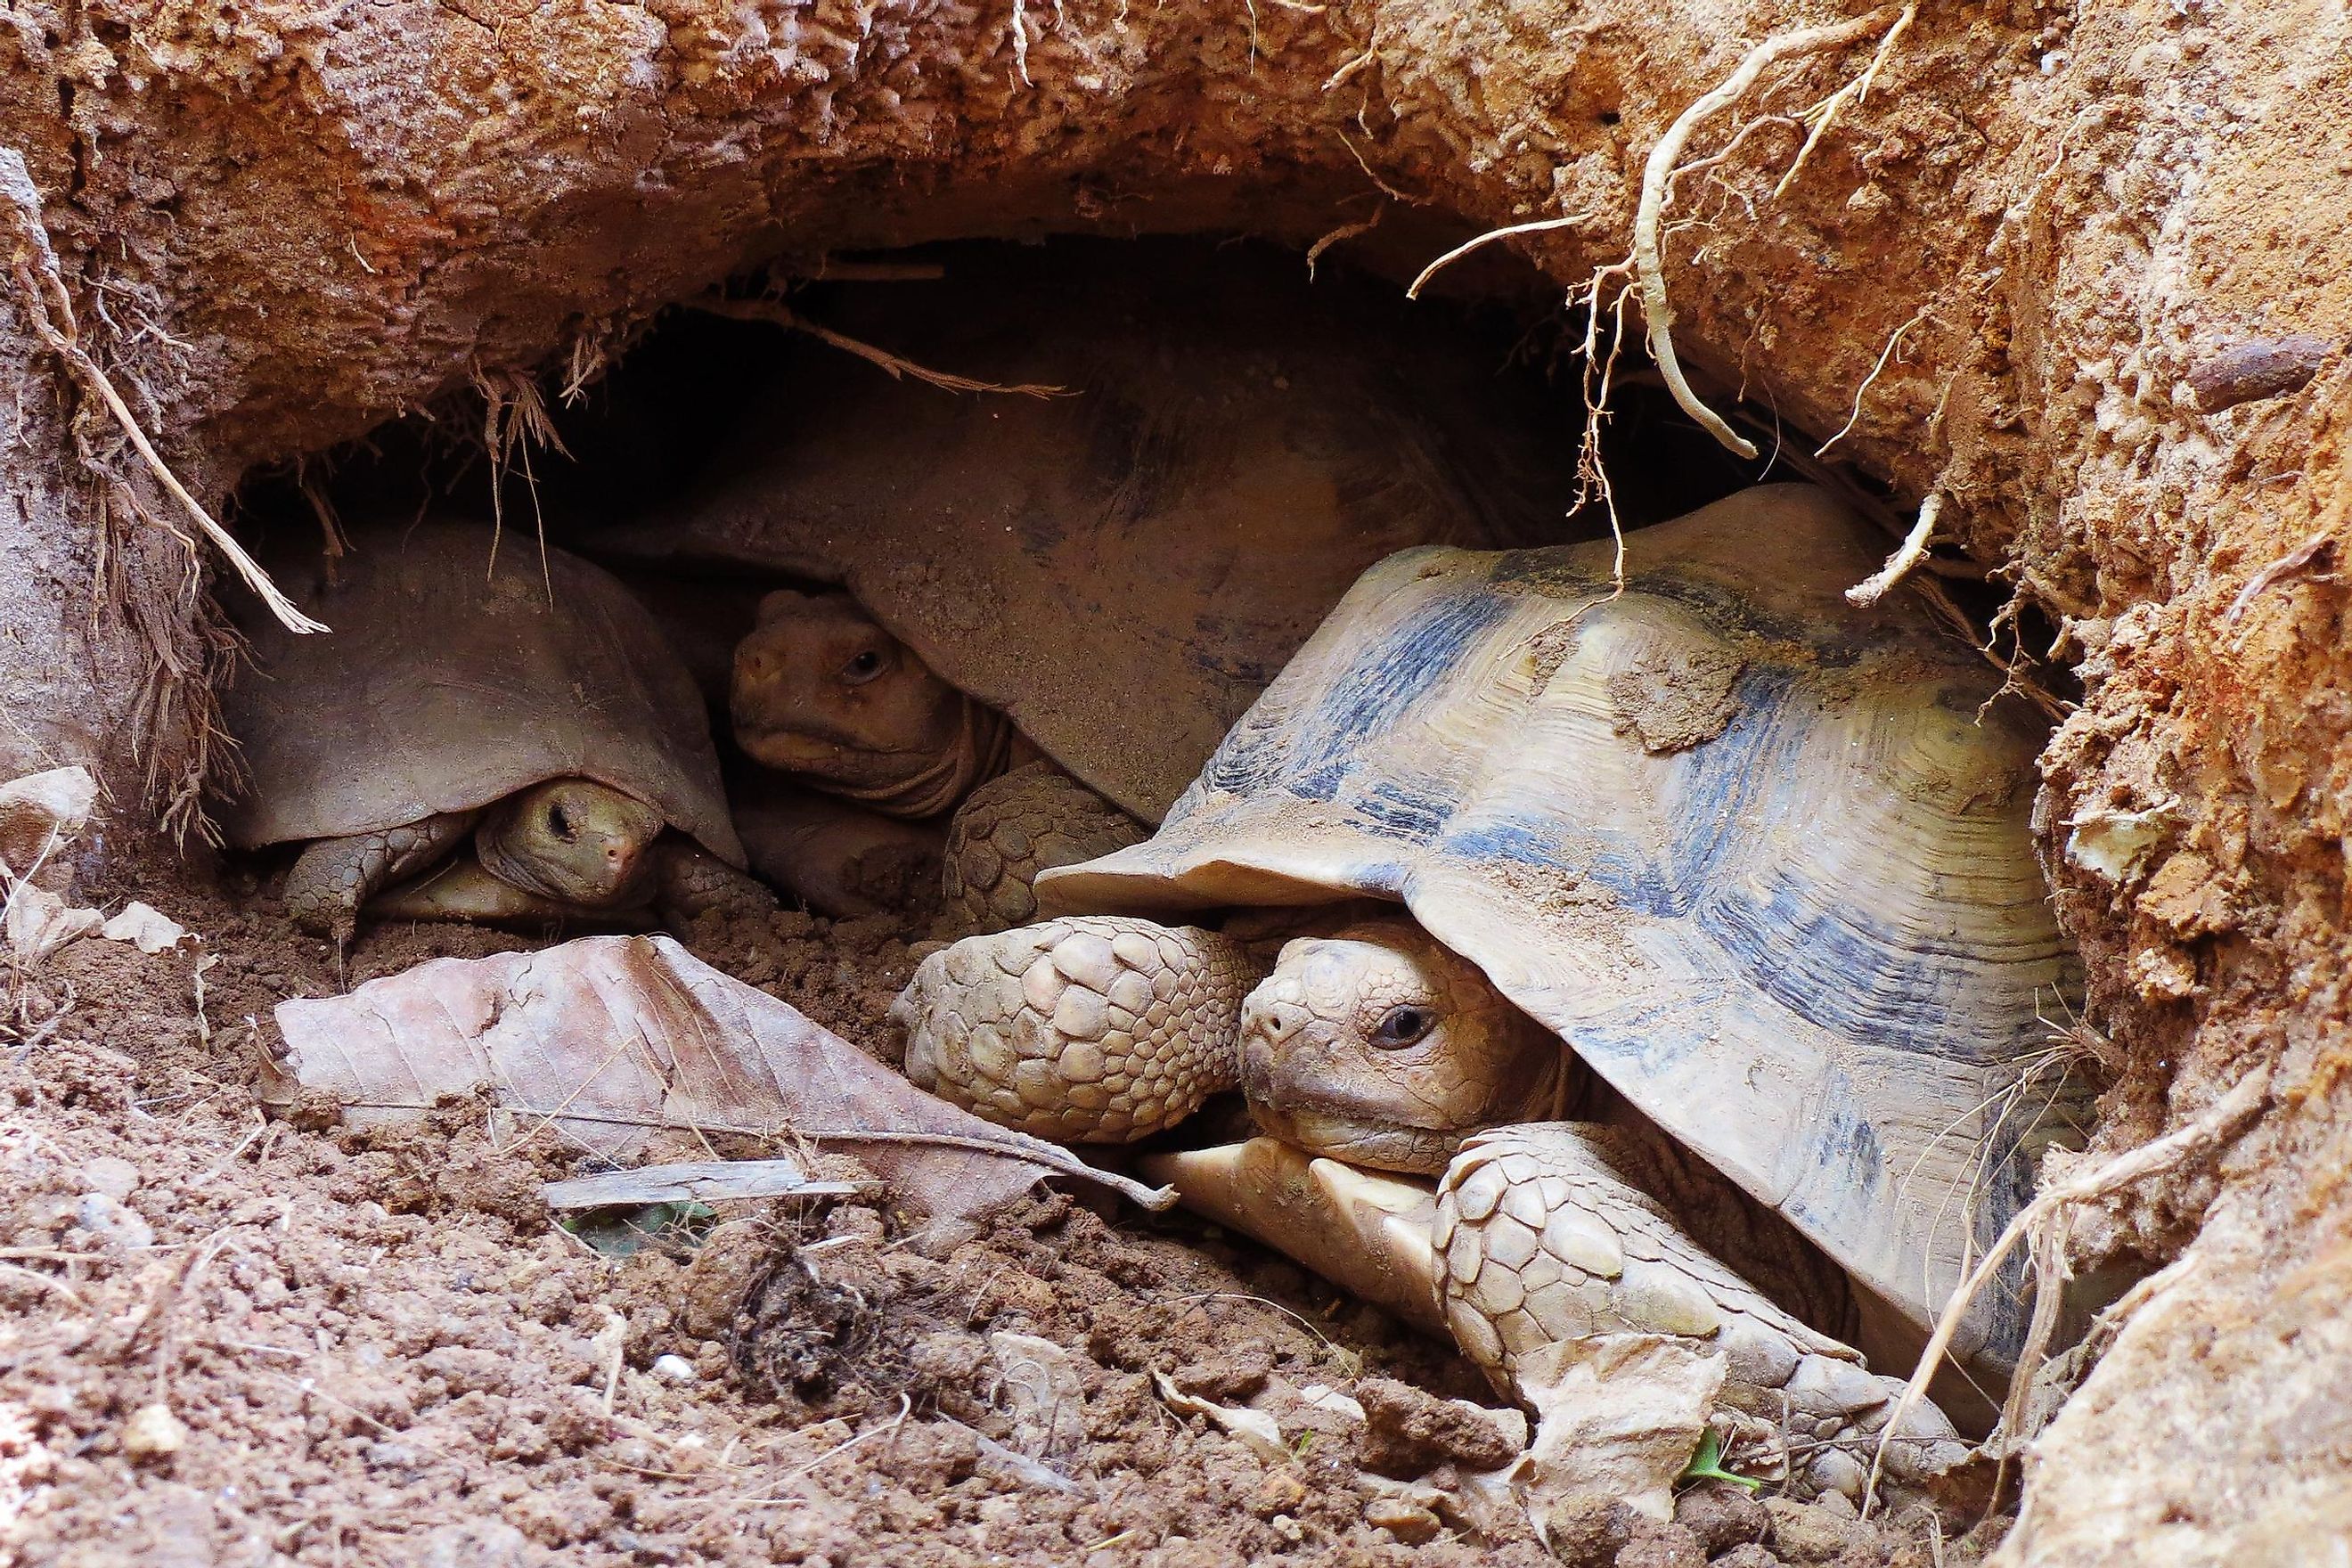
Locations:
{"points": [[1011, 1375]]}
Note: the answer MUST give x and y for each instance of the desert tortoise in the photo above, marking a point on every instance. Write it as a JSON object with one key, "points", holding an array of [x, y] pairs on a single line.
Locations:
{"points": [[1106, 580], [1754, 856], [533, 706]]}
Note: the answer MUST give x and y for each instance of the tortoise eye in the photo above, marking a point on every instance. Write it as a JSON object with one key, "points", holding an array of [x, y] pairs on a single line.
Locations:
{"points": [[558, 823], [1402, 1026], [862, 668]]}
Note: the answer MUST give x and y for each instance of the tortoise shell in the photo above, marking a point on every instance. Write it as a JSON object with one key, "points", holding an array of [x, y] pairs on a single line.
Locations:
{"points": [[1123, 569], [453, 677], [1762, 860]]}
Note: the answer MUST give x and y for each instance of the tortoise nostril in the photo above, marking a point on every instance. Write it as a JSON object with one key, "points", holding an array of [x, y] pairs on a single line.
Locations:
{"points": [[1284, 1019]]}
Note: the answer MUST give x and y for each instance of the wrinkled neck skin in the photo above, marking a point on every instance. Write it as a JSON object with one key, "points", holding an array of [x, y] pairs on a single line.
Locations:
{"points": [[1318, 1074], [573, 840], [986, 745]]}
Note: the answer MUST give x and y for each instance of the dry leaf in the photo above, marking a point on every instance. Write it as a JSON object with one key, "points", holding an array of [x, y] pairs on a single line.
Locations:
{"points": [[40, 814], [1258, 1431], [1617, 1417], [614, 1040], [38, 922], [146, 926]]}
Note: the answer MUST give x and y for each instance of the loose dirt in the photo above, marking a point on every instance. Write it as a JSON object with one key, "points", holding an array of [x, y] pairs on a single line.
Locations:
{"points": [[235, 1338]]}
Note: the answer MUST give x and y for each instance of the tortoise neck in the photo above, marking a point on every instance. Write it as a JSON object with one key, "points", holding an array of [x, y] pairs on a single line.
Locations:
{"points": [[986, 745]]}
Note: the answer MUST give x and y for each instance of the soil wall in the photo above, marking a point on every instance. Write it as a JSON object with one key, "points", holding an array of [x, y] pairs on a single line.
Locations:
{"points": [[280, 223]]}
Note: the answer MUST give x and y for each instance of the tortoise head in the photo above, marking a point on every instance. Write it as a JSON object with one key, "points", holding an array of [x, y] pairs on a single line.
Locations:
{"points": [[1382, 1048], [822, 691], [570, 838]]}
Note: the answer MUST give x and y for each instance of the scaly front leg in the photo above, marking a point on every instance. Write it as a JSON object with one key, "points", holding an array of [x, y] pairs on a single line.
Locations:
{"points": [[1093, 1029], [1582, 1298], [333, 877]]}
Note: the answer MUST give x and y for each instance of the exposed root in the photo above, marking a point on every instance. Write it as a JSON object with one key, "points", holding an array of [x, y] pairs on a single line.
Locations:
{"points": [[50, 309], [1908, 554], [1021, 41], [1648, 261], [1892, 343], [1345, 231], [778, 313], [1540, 225], [2042, 1222], [2285, 566], [514, 420], [1824, 113]]}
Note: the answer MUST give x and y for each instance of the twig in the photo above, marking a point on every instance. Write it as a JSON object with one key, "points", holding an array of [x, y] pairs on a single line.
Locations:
{"points": [[703, 1181], [778, 313], [51, 311], [1006, 1144], [1884, 355], [906, 1408], [1909, 553], [2216, 1122], [51, 1280], [1649, 265]]}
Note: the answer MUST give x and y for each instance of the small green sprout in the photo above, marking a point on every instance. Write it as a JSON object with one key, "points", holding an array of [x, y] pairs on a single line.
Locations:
{"points": [[1706, 1465]]}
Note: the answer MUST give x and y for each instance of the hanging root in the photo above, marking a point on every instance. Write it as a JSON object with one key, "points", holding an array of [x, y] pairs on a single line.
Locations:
{"points": [[514, 420], [782, 315], [41, 289], [1909, 553], [2042, 1225], [1649, 264]]}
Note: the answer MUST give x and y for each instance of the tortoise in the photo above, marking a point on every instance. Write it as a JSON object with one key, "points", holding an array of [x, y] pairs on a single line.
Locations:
{"points": [[1757, 859], [1104, 581], [519, 698]]}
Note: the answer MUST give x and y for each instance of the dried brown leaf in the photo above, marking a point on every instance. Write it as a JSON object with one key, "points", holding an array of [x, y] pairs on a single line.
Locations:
{"points": [[614, 1040]]}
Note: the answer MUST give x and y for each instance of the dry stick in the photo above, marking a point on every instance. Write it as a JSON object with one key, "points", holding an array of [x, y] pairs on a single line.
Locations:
{"points": [[51, 311], [1649, 265], [2217, 1121], [1909, 553], [778, 313]]}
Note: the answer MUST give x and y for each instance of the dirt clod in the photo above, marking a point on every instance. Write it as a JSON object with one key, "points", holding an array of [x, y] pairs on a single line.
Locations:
{"points": [[1409, 1433], [1721, 1516]]}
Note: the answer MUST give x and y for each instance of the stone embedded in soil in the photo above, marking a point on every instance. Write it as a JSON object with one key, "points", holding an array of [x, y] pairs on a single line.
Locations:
{"points": [[154, 1436], [117, 1179], [1408, 1521]]}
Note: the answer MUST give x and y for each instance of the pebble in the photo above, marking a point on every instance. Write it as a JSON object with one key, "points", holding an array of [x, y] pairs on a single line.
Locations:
{"points": [[153, 1435], [1409, 1523], [676, 1368]]}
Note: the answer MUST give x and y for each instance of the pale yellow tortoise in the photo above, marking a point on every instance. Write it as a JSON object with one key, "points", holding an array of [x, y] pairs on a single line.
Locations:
{"points": [[528, 711], [1751, 855]]}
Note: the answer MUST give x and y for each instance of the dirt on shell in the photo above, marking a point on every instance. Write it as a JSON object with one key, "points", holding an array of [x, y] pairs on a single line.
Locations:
{"points": [[230, 1337]]}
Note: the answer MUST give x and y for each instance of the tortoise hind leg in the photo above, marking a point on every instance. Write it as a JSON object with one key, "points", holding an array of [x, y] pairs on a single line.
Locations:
{"points": [[1566, 1282], [689, 881], [333, 877], [1014, 826]]}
